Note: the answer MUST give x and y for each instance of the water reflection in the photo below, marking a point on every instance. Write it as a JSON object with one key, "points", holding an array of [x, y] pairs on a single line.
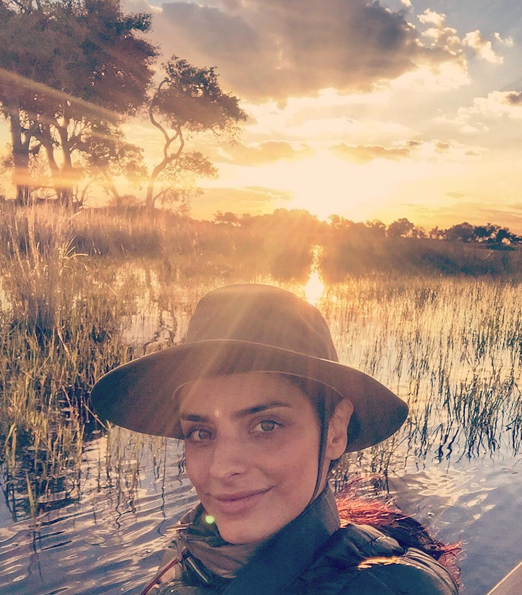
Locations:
{"points": [[111, 540], [314, 288], [451, 348]]}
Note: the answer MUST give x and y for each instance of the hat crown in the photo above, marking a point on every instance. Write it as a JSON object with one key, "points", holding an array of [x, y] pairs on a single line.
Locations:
{"points": [[262, 314]]}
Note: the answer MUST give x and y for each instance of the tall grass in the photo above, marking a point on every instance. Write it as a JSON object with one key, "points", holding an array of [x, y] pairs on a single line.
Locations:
{"points": [[80, 294], [451, 347], [59, 330]]}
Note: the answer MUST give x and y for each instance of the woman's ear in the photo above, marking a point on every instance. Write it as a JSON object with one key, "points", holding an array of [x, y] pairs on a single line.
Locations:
{"points": [[338, 430]]}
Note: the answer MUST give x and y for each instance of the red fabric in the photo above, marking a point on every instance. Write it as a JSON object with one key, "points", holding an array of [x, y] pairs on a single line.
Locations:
{"points": [[391, 521]]}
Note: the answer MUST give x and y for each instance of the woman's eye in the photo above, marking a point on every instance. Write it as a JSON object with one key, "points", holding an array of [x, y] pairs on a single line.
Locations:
{"points": [[198, 435], [266, 426]]}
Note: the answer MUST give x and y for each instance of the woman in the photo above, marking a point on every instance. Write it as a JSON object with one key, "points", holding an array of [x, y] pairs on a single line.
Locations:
{"points": [[265, 410]]}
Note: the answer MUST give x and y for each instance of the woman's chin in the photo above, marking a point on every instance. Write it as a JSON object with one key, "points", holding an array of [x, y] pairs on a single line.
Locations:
{"points": [[233, 532]]}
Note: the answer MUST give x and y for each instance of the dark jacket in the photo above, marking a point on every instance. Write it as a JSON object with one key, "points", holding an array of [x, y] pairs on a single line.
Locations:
{"points": [[312, 555]]}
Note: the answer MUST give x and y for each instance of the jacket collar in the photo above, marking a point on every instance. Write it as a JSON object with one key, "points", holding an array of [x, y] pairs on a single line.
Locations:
{"points": [[284, 557]]}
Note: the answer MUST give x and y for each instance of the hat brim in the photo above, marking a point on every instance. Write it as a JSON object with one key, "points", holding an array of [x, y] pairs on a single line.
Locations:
{"points": [[141, 395]]}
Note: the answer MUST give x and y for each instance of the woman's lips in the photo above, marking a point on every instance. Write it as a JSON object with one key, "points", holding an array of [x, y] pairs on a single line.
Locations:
{"points": [[238, 502]]}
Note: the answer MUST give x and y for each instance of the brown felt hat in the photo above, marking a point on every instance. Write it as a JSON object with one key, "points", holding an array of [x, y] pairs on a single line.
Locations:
{"points": [[242, 328]]}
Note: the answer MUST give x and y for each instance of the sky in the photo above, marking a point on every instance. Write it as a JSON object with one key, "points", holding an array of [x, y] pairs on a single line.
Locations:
{"points": [[369, 110]]}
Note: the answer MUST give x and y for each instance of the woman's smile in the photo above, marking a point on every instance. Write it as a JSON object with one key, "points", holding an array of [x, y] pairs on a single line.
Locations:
{"points": [[238, 502]]}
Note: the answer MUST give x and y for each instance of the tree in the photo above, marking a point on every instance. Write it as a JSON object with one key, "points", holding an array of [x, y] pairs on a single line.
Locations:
{"points": [[178, 179], [189, 99], [376, 230], [436, 233], [463, 232], [504, 236], [18, 64], [401, 228], [338, 223], [106, 155], [484, 232], [227, 218], [66, 68]]}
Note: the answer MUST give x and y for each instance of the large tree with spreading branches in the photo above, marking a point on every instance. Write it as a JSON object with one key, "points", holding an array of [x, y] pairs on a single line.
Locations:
{"points": [[70, 70], [188, 100]]}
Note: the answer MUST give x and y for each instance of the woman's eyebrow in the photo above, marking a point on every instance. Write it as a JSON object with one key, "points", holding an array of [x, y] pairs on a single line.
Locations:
{"points": [[193, 417], [239, 414]]}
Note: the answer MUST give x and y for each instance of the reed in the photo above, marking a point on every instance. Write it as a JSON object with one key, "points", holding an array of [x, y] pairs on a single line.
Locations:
{"points": [[60, 329], [451, 347], [71, 309]]}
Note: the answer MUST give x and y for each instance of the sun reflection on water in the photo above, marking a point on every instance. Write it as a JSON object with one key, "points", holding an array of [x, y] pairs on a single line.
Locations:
{"points": [[314, 288]]}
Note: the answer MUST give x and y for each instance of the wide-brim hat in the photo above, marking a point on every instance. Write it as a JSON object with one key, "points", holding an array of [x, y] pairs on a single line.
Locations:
{"points": [[243, 328]]}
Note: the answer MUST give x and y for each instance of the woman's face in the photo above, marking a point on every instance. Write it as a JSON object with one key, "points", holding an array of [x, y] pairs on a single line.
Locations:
{"points": [[251, 446]]}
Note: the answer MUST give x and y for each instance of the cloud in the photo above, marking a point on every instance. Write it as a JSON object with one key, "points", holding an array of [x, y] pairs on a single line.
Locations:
{"points": [[508, 41], [439, 35], [420, 150], [483, 47], [496, 105], [263, 153], [456, 194], [140, 6], [443, 77], [475, 118], [323, 117], [271, 193], [365, 154], [442, 147], [442, 36], [339, 128], [514, 98], [250, 199], [430, 17], [274, 49]]}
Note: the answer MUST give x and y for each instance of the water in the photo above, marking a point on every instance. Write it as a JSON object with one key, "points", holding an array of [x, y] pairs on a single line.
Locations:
{"points": [[110, 539], [475, 502], [456, 466]]}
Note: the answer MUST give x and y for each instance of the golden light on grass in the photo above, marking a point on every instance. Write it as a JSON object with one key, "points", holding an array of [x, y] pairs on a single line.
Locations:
{"points": [[66, 319]]}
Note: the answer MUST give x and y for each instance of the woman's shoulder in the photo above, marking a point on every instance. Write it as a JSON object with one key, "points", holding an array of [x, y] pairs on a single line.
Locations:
{"points": [[411, 573], [363, 560]]}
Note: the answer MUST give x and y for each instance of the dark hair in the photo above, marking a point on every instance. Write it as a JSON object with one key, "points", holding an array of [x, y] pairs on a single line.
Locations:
{"points": [[325, 399]]}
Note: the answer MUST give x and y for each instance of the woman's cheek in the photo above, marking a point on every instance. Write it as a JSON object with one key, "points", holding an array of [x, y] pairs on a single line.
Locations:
{"points": [[197, 461], [270, 442]]}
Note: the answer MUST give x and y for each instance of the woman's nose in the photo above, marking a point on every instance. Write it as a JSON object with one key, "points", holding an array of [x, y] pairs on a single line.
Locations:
{"points": [[228, 458]]}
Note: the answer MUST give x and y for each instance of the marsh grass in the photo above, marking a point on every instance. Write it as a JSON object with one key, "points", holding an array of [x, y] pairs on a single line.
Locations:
{"points": [[80, 296], [59, 330], [451, 348]]}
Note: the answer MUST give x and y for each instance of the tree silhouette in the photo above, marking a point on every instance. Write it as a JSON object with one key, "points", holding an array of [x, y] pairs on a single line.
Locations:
{"points": [[401, 228], [227, 218], [189, 99], [105, 155], [67, 68], [463, 232]]}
